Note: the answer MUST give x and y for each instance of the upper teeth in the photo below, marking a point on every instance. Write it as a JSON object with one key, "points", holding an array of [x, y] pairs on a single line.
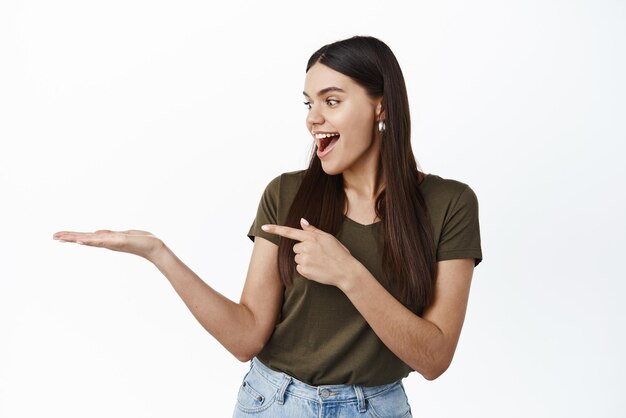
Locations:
{"points": [[320, 136]]}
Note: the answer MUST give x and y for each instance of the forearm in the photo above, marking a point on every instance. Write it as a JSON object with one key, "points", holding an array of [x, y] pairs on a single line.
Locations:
{"points": [[231, 323], [416, 341]]}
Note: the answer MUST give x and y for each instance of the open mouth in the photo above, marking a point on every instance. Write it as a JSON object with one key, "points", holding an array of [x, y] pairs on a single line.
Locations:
{"points": [[325, 142]]}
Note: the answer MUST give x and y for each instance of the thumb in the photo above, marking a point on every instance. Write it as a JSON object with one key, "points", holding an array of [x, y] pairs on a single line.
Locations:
{"points": [[306, 225]]}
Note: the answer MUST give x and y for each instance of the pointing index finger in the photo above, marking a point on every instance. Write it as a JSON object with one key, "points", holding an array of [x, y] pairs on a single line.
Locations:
{"points": [[285, 231]]}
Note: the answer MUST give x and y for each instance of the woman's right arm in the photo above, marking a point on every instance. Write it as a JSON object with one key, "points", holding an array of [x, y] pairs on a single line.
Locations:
{"points": [[242, 328]]}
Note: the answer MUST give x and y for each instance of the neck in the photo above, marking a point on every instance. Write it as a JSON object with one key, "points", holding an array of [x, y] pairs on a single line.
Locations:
{"points": [[365, 185], [363, 180]]}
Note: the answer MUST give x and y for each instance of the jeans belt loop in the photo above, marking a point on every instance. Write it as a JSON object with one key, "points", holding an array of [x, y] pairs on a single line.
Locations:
{"points": [[360, 397], [283, 388]]}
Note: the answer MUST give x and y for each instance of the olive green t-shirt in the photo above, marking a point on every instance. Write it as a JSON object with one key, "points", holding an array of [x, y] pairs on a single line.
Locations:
{"points": [[320, 338]]}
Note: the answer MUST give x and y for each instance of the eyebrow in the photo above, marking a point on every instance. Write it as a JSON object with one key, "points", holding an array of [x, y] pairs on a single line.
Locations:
{"points": [[326, 90]]}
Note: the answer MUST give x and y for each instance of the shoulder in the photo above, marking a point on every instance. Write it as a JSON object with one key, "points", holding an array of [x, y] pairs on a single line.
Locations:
{"points": [[440, 192], [296, 175], [439, 184], [454, 212], [284, 185], [289, 176]]}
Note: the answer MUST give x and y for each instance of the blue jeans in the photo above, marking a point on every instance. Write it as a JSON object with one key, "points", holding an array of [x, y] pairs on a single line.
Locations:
{"points": [[267, 393]]}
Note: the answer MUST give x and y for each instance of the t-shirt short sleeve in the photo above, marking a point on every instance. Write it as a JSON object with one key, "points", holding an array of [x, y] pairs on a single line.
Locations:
{"points": [[267, 212], [460, 234]]}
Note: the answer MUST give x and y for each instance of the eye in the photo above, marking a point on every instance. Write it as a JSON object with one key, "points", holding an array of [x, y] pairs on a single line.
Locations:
{"points": [[308, 104]]}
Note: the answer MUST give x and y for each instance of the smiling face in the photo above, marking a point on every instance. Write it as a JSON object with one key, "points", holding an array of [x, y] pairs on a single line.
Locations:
{"points": [[337, 104]]}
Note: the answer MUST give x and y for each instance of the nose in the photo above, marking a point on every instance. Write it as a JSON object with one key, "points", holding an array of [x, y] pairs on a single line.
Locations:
{"points": [[314, 117]]}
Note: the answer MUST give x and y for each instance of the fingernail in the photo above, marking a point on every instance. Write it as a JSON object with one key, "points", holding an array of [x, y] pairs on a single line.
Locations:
{"points": [[304, 222], [61, 240], [265, 227]]}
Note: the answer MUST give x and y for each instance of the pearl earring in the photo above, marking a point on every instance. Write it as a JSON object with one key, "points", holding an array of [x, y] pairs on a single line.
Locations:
{"points": [[381, 125]]}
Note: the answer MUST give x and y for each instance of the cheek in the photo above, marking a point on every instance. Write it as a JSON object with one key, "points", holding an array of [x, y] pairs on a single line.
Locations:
{"points": [[358, 125]]}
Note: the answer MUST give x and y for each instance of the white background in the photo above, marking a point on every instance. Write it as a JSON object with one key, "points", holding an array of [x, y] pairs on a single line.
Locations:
{"points": [[173, 116]]}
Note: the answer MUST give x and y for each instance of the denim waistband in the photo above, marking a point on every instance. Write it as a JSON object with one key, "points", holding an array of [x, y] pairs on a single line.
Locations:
{"points": [[322, 393]]}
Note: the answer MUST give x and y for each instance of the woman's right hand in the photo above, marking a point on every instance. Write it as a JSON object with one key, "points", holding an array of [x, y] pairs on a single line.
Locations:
{"points": [[141, 243]]}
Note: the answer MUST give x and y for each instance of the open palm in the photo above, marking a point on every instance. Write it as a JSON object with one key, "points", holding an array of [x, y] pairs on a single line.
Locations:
{"points": [[133, 241]]}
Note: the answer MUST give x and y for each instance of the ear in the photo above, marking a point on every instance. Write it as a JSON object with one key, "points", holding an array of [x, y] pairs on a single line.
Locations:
{"points": [[380, 114]]}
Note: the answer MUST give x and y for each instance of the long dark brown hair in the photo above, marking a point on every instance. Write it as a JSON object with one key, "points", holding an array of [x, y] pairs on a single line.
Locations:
{"points": [[409, 250]]}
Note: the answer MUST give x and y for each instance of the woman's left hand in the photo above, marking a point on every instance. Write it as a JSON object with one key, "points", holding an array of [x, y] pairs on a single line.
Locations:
{"points": [[319, 255]]}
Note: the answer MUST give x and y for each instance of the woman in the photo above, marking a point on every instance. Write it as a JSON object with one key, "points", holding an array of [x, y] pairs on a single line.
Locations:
{"points": [[384, 256]]}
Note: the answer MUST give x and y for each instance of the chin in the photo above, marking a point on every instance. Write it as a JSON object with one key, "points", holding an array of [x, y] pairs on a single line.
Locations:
{"points": [[331, 171]]}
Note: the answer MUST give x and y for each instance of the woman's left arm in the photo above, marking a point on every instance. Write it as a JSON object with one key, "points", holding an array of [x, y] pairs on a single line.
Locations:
{"points": [[425, 343]]}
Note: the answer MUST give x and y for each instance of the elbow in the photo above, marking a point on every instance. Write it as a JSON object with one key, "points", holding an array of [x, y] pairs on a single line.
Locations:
{"points": [[436, 369], [243, 358], [433, 374], [249, 353]]}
